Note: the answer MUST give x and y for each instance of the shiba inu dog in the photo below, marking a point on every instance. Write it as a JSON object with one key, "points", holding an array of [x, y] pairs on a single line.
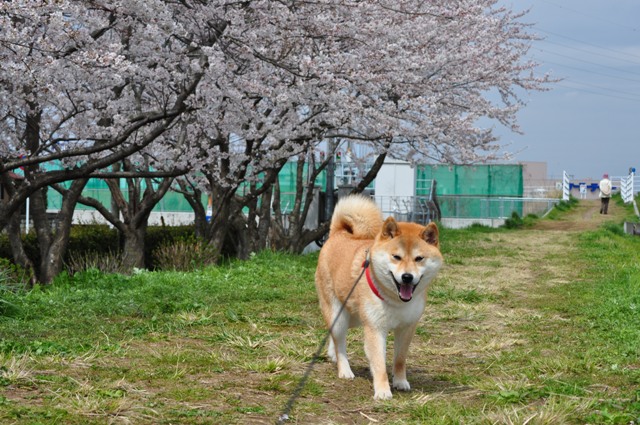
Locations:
{"points": [[400, 259]]}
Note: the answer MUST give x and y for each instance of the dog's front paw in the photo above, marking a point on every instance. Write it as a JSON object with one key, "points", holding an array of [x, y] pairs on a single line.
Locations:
{"points": [[383, 395], [346, 373], [401, 384]]}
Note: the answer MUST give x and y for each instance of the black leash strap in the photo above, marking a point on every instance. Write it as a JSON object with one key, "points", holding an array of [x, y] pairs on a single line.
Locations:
{"points": [[303, 381]]}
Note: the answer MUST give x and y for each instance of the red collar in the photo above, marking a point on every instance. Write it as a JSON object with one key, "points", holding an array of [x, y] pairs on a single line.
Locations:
{"points": [[372, 285]]}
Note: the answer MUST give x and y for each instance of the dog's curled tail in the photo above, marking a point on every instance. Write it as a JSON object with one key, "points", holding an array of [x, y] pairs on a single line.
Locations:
{"points": [[358, 215]]}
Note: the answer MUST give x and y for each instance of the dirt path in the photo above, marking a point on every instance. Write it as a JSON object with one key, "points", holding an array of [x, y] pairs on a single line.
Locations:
{"points": [[488, 288], [585, 216], [510, 274]]}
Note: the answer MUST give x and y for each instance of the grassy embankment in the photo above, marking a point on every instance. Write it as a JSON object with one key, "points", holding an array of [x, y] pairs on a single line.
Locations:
{"points": [[533, 325]]}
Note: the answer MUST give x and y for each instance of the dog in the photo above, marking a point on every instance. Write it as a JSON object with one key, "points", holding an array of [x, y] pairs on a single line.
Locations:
{"points": [[399, 260]]}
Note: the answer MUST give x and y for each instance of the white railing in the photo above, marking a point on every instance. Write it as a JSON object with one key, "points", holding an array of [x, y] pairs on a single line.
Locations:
{"points": [[628, 190], [626, 187]]}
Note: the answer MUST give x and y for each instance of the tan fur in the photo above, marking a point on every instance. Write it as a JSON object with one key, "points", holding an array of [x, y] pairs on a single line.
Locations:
{"points": [[402, 254]]}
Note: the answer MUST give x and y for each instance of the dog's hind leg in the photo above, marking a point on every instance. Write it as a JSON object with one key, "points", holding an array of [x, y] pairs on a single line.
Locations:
{"points": [[331, 350], [339, 342]]}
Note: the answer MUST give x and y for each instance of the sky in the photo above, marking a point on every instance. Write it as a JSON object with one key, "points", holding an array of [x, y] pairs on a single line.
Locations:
{"points": [[589, 122]]}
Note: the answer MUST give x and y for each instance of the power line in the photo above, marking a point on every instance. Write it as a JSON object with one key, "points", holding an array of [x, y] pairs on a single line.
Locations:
{"points": [[589, 71], [597, 18], [588, 43], [587, 90], [600, 52], [592, 53]]}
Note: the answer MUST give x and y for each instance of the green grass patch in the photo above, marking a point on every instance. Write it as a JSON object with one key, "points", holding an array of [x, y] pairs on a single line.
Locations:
{"points": [[516, 330], [562, 208]]}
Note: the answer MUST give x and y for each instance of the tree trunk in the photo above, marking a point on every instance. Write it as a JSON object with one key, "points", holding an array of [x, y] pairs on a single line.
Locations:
{"points": [[134, 247], [288, 233], [264, 222], [226, 225], [52, 261], [193, 195], [214, 230], [135, 210], [217, 235], [238, 238], [53, 237], [292, 235], [17, 248]]}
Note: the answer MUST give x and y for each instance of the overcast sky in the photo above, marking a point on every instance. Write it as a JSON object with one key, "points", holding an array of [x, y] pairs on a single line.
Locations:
{"points": [[589, 123]]}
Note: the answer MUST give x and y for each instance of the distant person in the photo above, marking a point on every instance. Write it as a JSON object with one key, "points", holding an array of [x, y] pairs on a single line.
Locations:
{"points": [[605, 193]]}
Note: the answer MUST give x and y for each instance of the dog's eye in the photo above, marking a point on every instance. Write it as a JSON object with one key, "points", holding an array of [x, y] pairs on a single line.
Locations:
{"points": [[418, 259], [397, 257]]}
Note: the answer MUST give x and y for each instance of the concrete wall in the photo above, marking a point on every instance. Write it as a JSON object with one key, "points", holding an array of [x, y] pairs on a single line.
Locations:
{"points": [[156, 218], [395, 178], [461, 223], [537, 184]]}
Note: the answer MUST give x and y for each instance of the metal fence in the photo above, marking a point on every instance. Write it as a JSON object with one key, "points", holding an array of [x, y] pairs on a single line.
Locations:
{"points": [[493, 207], [419, 209]]}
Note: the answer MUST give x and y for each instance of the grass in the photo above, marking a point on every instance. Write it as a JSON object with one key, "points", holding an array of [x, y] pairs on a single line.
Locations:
{"points": [[522, 326], [561, 208]]}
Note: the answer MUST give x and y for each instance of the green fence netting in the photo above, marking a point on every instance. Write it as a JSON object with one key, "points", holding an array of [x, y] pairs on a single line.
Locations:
{"points": [[467, 190]]}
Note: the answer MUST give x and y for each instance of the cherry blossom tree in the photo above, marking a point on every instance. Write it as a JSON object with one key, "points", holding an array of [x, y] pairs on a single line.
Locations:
{"points": [[238, 88], [132, 206], [410, 79], [87, 84]]}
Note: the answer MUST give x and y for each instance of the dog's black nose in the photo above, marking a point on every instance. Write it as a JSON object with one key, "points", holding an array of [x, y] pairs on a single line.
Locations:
{"points": [[407, 278]]}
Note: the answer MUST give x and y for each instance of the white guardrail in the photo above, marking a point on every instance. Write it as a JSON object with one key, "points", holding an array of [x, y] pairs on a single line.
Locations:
{"points": [[626, 187], [566, 187]]}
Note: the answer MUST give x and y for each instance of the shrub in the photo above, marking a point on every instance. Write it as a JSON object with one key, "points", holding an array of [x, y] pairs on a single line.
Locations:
{"points": [[12, 275], [96, 245], [567, 205], [30, 246], [106, 262], [98, 238], [614, 228], [514, 222], [13, 278], [158, 236], [184, 254], [517, 222]]}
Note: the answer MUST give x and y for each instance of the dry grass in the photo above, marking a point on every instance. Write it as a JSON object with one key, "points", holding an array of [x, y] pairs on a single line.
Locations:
{"points": [[488, 350]]}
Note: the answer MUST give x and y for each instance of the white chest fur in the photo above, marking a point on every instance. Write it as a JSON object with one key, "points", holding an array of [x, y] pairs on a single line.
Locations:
{"points": [[390, 315]]}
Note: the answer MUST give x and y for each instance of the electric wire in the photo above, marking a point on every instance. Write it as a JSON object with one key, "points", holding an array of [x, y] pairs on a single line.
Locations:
{"points": [[622, 56], [594, 17], [635, 80], [628, 93]]}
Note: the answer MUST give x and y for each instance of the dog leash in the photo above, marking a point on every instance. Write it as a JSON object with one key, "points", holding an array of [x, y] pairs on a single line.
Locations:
{"points": [[284, 416]]}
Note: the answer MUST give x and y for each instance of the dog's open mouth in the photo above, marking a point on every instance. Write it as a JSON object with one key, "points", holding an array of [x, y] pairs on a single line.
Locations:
{"points": [[405, 290]]}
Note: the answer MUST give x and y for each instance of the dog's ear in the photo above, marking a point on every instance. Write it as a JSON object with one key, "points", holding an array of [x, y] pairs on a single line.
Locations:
{"points": [[430, 235], [390, 228]]}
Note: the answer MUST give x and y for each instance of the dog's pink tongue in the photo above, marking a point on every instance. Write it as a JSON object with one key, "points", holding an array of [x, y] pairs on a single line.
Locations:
{"points": [[406, 291]]}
